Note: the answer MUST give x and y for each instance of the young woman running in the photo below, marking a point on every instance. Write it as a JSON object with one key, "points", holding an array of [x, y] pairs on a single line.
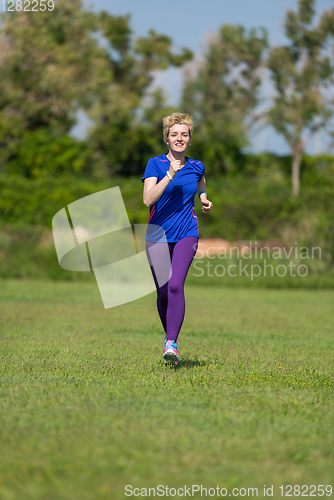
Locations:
{"points": [[171, 182]]}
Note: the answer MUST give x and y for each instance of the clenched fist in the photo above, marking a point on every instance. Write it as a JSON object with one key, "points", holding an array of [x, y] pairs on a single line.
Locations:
{"points": [[174, 167]]}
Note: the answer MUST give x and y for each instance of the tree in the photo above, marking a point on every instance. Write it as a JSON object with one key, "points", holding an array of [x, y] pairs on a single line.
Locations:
{"points": [[147, 132], [50, 67], [45, 153], [222, 93], [300, 73], [121, 131]]}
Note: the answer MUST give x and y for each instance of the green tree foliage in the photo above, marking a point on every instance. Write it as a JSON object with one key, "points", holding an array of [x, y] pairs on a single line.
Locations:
{"points": [[147, 133], [46, 153], [222, 94], [300, 73], [50, 66], [53, 65], [124, 130]]}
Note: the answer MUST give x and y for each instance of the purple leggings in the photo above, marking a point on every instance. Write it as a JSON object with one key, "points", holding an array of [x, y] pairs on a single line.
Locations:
{"points": [[170, 296]]}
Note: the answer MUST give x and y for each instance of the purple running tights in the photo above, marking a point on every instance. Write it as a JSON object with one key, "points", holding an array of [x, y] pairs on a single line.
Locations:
{"points": [[170, 297]]}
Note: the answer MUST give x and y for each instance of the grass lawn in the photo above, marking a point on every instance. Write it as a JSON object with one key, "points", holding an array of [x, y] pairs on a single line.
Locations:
{"points": [[87, 406]]}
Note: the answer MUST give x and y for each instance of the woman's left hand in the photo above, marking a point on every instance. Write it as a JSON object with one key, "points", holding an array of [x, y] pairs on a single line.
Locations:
{"points": [[206, 205]]}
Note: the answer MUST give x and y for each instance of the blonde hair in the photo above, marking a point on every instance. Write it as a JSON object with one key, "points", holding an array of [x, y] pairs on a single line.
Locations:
{"points": [[176, 119]]}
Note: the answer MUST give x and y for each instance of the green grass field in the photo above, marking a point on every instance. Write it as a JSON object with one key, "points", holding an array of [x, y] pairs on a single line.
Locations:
{"points": [[87, 406]]}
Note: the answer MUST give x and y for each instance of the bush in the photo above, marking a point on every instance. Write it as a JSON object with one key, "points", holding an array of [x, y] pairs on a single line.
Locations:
{"points": [[251, 209], [45, 153]]}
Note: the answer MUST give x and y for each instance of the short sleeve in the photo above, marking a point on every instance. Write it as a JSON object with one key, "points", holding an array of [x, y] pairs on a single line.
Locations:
{"points": [[201, 170], [151, 170]]}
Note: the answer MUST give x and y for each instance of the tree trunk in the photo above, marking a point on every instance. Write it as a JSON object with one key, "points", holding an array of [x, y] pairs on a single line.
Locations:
{"points": [[295, 171]]}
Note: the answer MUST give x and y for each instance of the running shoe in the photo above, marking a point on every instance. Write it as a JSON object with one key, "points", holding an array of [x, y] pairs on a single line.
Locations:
{"points": [[170, 351]]}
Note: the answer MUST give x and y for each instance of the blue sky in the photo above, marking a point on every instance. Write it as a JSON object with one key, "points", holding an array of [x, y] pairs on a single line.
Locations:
{"points": [[189, 23]]}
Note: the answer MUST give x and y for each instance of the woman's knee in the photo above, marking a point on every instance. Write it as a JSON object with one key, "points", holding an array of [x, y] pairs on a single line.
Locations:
{"points": [[175, 288]]}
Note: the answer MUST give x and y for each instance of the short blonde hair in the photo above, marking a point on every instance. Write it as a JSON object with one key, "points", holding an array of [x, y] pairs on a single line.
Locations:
{"points": [[176, 119]]}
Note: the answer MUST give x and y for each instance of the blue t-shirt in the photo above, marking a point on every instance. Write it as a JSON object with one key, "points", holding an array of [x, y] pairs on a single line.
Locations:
{"points": [[174, 210]]}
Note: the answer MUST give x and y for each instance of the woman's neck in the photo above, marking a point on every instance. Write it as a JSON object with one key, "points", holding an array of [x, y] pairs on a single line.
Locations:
{"points": [[177, 156]]}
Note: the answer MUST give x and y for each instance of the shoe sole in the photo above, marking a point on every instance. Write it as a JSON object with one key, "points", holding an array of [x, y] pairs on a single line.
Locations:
{"points": [[170, 357]]}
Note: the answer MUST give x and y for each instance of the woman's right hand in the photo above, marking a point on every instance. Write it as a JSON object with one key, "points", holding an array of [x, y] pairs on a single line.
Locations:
{"points": [[174, 167]]}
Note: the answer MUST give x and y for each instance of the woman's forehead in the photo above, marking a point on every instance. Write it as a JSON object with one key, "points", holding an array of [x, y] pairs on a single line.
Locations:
{"points": [[179, 128]]}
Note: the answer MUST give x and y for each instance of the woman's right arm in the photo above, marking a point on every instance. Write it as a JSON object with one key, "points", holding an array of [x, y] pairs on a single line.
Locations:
{"points": [[152, 190]]}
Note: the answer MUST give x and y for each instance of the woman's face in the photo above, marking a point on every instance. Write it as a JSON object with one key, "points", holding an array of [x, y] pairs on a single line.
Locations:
{"points": [[178, 138]]}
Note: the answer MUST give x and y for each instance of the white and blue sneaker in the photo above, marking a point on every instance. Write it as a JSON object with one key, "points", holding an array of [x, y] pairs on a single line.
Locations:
{"points": [[170, 351]]}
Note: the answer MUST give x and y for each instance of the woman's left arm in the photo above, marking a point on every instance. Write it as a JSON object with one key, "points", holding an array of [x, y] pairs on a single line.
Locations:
{"points": [[206, 204]]}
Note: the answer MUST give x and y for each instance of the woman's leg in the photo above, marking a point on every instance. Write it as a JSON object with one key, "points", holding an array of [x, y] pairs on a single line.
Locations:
{"points": [[162, 291], [182, 256]]}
